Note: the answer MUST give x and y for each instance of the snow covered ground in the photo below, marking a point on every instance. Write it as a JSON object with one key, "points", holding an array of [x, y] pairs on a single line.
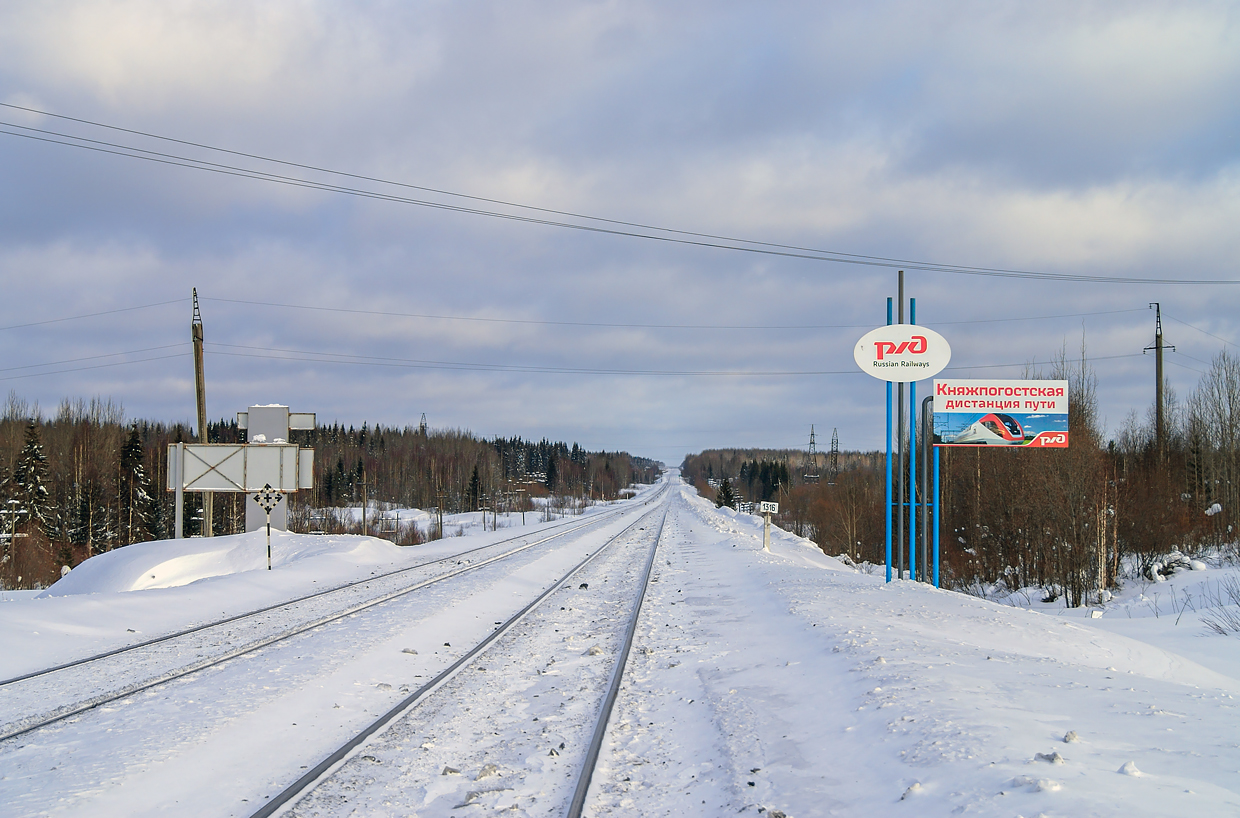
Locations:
{"points": [[379, 514], [789, 682], [760, 683]]}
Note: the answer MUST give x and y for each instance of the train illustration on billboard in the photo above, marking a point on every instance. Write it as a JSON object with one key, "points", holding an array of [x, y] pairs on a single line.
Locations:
{"points": [[1001, 429], [1001, 413]]}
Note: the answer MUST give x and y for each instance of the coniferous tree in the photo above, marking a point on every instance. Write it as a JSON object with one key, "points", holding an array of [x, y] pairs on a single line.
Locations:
{"points": [[725, 495], [553, 475], [475, 489], [133, 495], [30, 477]]}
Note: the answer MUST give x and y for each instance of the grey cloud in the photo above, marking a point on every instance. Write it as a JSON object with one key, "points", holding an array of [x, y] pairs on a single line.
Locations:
{"points": [[1060, 137]]}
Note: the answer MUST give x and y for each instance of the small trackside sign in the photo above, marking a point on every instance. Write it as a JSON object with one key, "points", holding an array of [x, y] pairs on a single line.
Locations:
{"points": [[768, 508], [902, 353]]}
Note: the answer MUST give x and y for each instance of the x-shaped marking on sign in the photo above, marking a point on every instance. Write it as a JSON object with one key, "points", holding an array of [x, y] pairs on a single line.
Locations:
{"points": [[215, 467]]}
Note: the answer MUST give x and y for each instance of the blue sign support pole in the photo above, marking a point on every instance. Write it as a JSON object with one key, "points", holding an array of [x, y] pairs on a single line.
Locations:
{"points": [[912, 461], [936, 516], [887, 515]]}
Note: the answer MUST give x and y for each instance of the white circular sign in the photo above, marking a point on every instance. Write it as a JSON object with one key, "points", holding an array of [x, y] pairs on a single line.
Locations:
{"points": [[902, 353]]}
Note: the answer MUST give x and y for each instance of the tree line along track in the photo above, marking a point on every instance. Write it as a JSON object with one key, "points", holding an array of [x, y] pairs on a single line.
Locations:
{"points": [[76, 687], [335, 772]]}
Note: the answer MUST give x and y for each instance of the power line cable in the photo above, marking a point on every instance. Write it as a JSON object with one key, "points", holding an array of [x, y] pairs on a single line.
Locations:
{"points": [[1199, 329], [533, 322], [409, 363], [1033, 317], [93, 314], [96, 366], [91, 357], [1043, 363], [1186, 366], [313, 356], [310, 356], [1190, 357], [605, 324], [699, 239]]}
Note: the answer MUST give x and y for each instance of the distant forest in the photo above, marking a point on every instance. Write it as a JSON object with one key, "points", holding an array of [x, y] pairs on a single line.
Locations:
{"points": [[1068, 521], [87, 479]]}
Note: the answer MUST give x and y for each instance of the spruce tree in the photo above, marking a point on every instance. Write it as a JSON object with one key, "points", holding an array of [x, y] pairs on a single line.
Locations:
{"points": [[725, 496], [552, 474], [29, 478], [134, 497], [475, 489]]}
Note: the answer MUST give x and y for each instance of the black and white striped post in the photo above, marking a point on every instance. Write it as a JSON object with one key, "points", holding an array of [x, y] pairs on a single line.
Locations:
{"points": [[268, 498]]}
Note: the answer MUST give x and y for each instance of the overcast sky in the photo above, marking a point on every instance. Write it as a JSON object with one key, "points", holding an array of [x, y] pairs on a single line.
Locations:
{"points": [[1080, 139]]}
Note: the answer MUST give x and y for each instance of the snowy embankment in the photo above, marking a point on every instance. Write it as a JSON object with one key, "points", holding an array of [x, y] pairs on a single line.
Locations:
{"points": [[186, 582], [1175, 611], [786, 681]]}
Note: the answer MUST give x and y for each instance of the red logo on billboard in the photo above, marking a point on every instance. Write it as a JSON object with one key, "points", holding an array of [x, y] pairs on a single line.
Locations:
{"points": [[1050, 440], [917, 345]]}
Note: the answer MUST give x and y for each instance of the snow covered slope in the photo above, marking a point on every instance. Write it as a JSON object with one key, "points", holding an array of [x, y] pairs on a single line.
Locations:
{"points": [[171, 563], [787, 682], [760, 683]]}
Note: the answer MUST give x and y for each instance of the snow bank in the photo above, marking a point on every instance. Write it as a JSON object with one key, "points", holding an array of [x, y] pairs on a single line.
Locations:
{"points": [[173, 563]]}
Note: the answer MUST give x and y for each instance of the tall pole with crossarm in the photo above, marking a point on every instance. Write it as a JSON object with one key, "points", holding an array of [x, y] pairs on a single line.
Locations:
{"points": [[1158, 347], [200, 390]]}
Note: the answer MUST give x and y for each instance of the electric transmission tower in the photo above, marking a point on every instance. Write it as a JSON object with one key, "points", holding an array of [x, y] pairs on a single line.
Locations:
{"points": [[833, 460], [811, 465]]}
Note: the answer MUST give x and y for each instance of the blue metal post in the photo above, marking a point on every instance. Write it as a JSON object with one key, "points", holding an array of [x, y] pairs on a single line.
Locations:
{"points": [[936, 516], [887, 516], [912, 461]]}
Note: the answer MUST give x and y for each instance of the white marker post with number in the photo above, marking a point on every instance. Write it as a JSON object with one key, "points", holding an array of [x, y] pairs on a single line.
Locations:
{"points": [[766, 509]]}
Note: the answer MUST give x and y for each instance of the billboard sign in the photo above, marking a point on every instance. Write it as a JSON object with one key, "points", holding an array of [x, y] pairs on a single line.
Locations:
{"points": [[240, 467], [902, 353], [1001, 413]]}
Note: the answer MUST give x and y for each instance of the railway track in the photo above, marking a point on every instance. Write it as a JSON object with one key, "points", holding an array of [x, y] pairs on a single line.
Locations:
{"points": [[371, 773], [73, 688]]}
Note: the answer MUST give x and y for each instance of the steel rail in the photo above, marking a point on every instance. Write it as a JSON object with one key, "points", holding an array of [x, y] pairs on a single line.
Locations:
{"points": [[214, 661], [291, 602], [337, 758], [617, 674]]}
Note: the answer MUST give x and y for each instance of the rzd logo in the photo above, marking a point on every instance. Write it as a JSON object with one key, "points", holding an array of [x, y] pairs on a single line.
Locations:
{"points": [[915, 346], [1048, 439]]}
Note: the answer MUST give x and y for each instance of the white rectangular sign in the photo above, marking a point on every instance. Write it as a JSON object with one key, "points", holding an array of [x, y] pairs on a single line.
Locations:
{"points": [[241, 467], [768, 508], [1019, 397]]}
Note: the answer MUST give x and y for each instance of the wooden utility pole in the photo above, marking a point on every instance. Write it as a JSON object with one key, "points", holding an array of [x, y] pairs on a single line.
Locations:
{"points": [[365, 504], [200, 389], [439, 509], [1102, 547]]}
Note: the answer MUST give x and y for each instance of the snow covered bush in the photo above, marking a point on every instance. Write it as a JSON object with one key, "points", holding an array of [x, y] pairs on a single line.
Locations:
{"points": [[1166, 566]]}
